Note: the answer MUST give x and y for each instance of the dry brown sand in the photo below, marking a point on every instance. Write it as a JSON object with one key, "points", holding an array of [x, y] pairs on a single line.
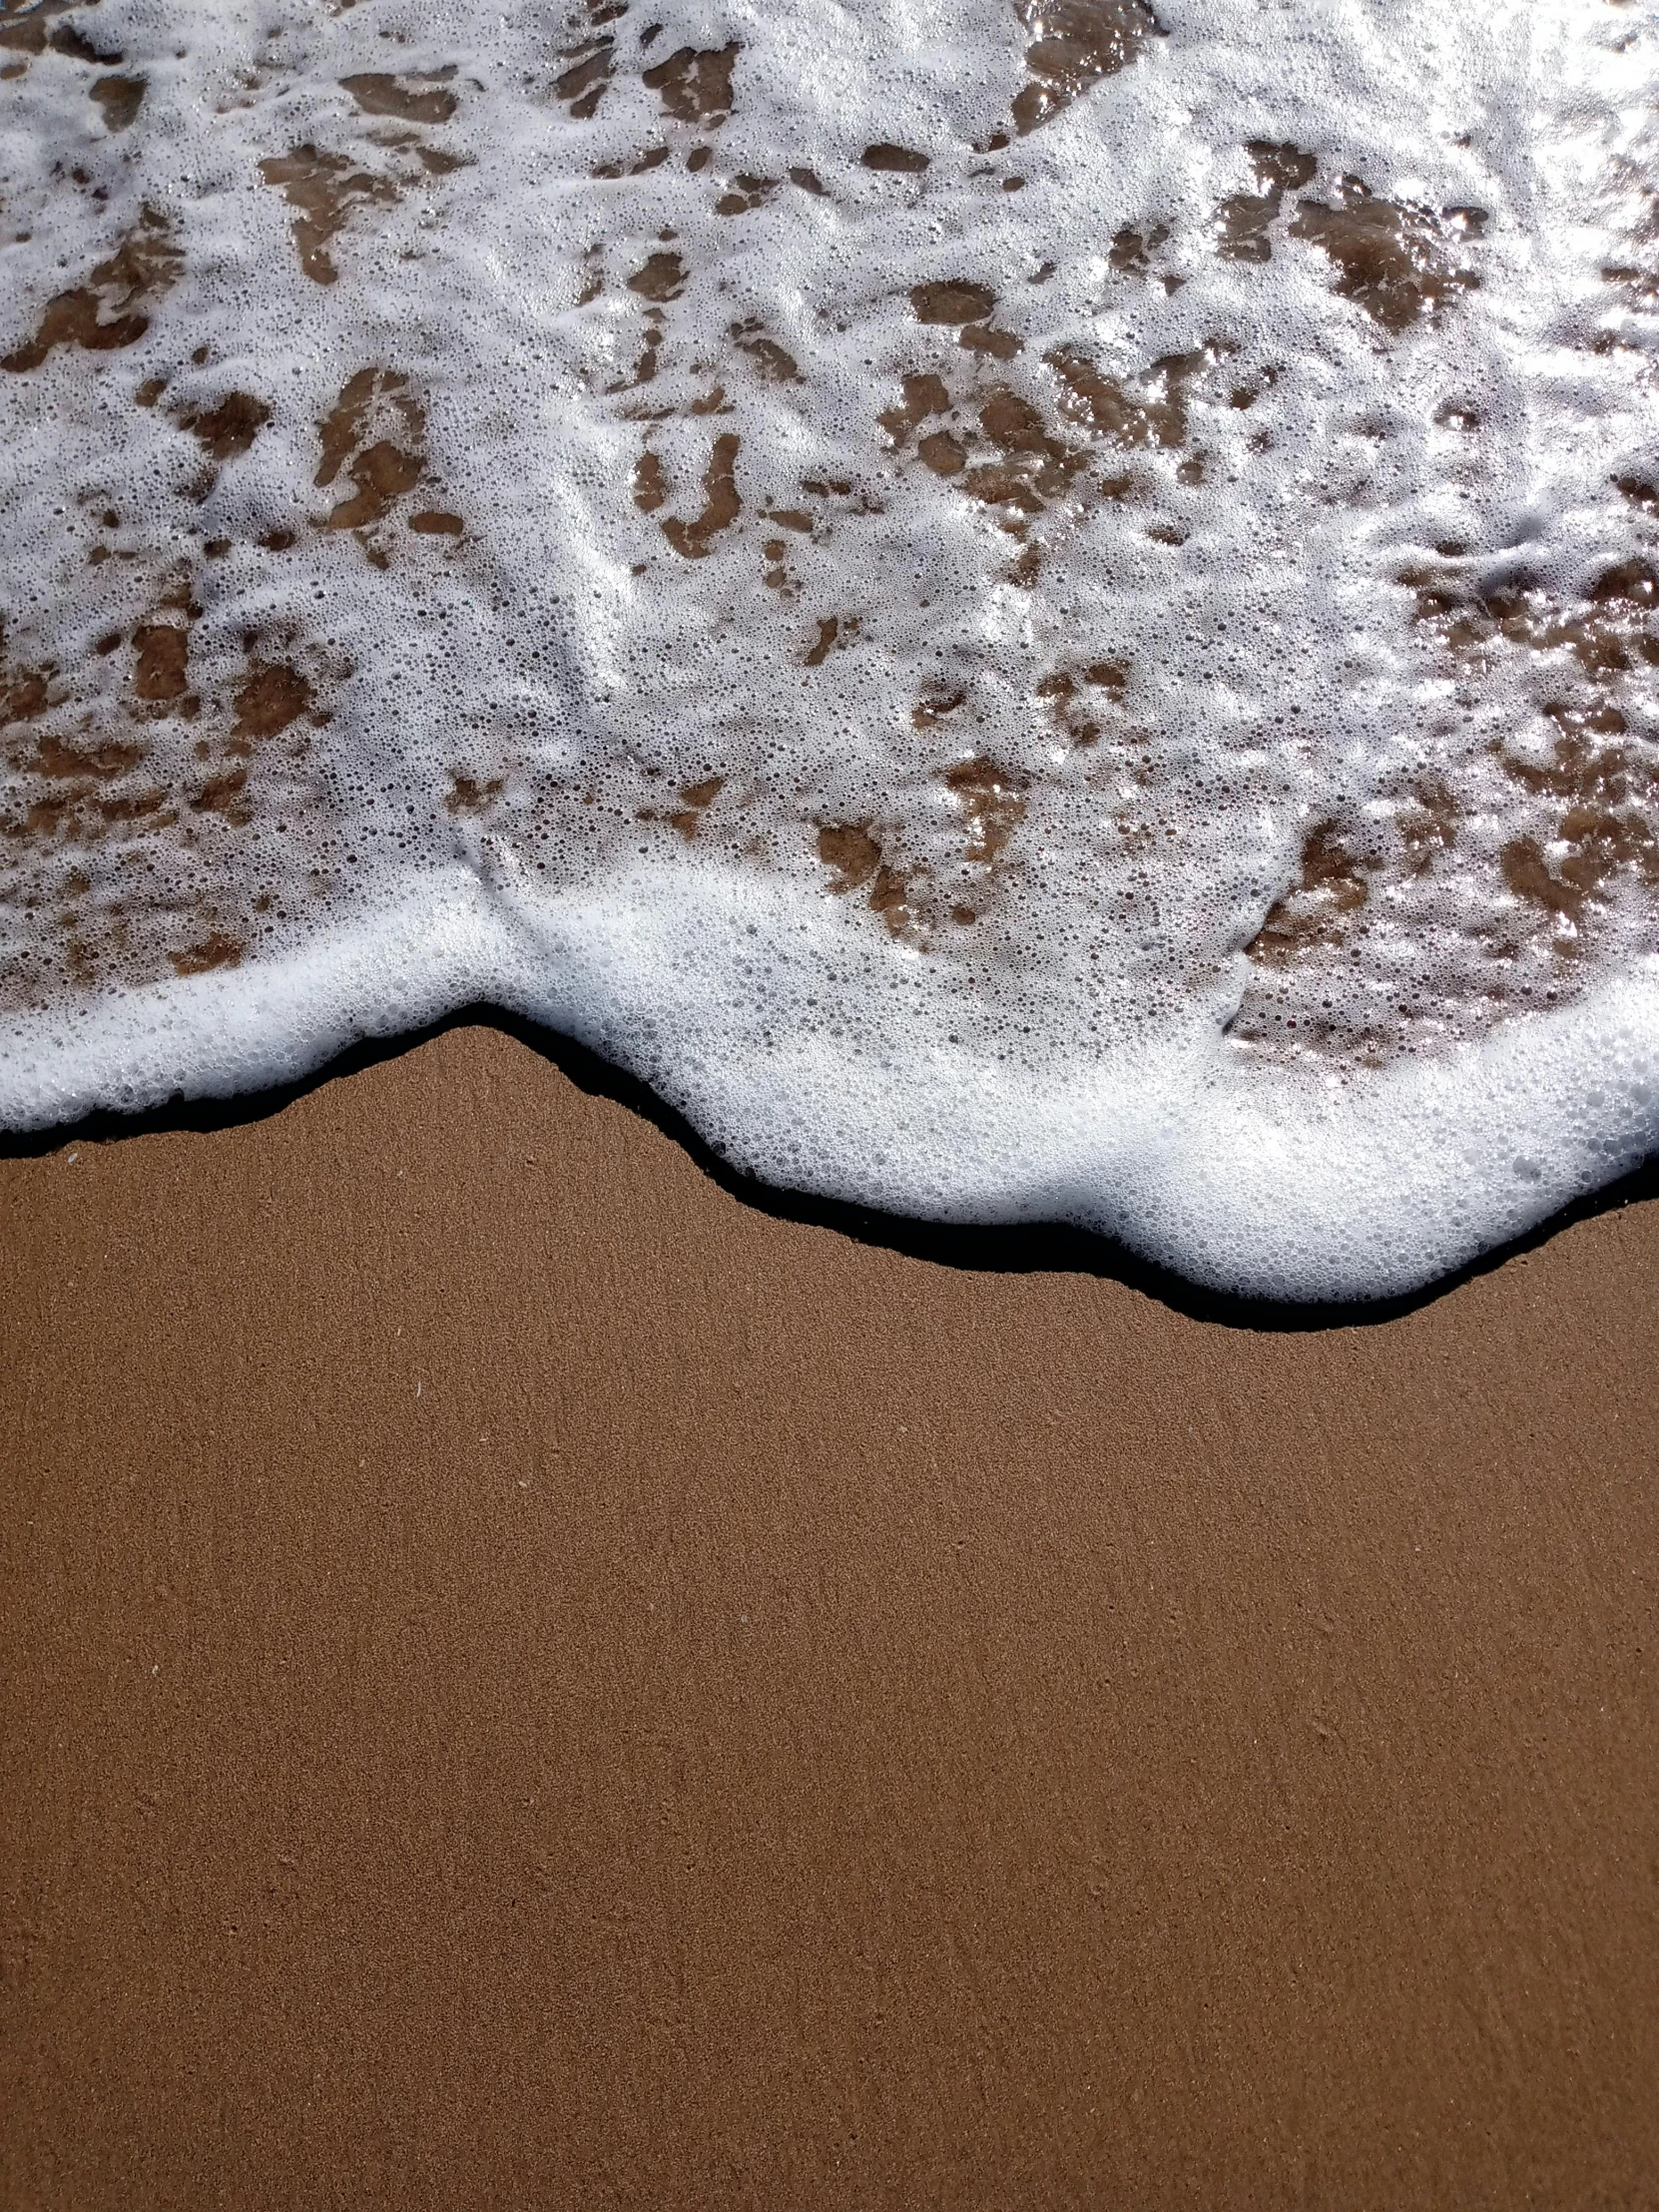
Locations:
{"points": [[530, 1682]]}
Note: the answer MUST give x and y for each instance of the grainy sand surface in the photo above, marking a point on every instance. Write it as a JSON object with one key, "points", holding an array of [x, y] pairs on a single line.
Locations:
{"points": [[528, 1681]]}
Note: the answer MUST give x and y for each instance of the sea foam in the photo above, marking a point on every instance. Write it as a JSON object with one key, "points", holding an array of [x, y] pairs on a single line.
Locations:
{"points": [[1034, 609]]}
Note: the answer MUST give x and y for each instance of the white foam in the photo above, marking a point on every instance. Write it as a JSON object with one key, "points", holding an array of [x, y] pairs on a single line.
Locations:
{"points": [[1256, 643]]}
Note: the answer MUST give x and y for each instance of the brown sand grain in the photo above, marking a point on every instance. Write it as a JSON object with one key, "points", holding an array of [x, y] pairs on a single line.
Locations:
{"points": [[529, 1682]]}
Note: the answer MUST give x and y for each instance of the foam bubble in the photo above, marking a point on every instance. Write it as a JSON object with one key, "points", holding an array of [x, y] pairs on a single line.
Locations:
{"points": [[1038, 610]]}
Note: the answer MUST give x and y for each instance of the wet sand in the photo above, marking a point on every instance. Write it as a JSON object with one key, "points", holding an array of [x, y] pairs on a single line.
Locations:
{"points": [[529, 1681]]}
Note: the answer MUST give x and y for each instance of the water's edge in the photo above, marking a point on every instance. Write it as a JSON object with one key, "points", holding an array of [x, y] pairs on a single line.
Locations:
{"points": [[1012, 1249]]}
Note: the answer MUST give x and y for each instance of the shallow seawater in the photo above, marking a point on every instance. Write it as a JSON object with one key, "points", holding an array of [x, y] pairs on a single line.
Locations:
{"points": [[1035, 609]]}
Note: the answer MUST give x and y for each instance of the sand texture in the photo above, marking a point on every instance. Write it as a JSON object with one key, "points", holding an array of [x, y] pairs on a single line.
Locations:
{"points": [[531, 1682]]}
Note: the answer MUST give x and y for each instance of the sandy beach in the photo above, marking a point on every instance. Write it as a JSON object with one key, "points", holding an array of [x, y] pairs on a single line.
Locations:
{"points": [[530, 1679], [1002, 597]]}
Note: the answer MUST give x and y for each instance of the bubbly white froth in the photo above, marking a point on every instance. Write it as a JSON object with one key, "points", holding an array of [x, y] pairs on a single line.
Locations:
{"points": [[1034, 609]]}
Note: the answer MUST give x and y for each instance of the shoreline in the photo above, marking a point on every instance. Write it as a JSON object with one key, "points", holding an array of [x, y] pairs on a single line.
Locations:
{"points": [[1016, 1248]]}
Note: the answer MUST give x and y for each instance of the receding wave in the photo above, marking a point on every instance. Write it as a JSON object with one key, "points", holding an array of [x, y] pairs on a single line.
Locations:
{"points": [[1032, 608]]}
